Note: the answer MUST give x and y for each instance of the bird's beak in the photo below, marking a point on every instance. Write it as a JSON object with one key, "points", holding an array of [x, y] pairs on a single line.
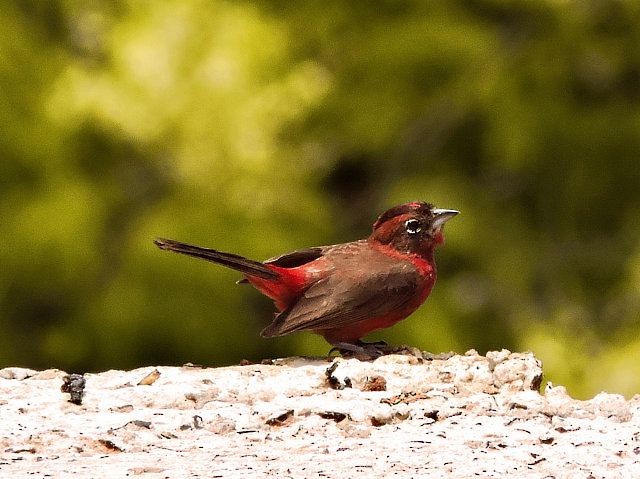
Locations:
{"points": [[441, 216]]}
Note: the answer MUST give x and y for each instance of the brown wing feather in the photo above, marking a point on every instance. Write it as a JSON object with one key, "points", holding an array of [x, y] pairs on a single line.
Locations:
{"points": [[343, 299], [297, 258]]}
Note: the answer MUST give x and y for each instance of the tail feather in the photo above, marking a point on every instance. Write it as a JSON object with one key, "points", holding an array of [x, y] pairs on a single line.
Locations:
{"points": [[233, 261]]}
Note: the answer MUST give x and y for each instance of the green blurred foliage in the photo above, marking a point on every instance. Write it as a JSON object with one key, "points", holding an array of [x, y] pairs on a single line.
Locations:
{"points": [[260, 127]]}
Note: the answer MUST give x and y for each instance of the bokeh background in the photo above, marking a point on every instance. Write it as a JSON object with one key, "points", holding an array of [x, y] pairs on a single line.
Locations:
{"points": [[261, 127]]}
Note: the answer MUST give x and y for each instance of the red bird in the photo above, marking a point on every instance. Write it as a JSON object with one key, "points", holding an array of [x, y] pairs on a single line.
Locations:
{"points": [[345, 291]]}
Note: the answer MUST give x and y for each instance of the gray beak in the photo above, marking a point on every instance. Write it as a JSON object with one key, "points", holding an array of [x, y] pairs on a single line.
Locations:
{"points": [[441, 216]]}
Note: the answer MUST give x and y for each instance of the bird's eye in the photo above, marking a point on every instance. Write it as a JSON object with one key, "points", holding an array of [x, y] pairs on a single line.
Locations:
{"points": [[413, 227]]}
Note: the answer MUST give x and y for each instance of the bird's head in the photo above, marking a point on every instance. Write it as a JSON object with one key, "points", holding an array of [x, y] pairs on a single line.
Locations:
{"points": [[412, 228]]}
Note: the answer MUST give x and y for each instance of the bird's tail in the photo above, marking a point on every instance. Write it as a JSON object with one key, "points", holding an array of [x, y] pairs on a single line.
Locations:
{"points": [[233, 261]]}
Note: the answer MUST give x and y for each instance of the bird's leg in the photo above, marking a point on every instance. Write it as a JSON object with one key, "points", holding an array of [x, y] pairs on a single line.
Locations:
{"points": [[360, 349], [381, 344]]}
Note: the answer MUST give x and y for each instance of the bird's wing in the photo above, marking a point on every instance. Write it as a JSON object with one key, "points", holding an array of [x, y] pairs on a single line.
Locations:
{"points": [[297, 258], [347, 298]]}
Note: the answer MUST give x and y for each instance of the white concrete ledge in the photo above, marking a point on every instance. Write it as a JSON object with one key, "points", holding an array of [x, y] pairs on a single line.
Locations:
{"points": [[402, 416]]}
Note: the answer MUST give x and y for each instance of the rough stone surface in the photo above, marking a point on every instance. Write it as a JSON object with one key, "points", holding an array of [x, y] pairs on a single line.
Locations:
{"points": [[401, 416]]}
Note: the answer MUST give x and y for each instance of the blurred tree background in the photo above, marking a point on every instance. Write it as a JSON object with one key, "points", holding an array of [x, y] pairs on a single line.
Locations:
{"points": [[261, 127]]}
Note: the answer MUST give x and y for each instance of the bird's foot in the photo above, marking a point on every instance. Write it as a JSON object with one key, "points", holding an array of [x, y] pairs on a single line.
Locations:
{"points": [[361, 350], [368, 351]]}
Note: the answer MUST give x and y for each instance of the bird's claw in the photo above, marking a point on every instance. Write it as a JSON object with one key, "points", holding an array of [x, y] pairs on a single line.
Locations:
{"points": [[369, 351], [361, 350]]}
